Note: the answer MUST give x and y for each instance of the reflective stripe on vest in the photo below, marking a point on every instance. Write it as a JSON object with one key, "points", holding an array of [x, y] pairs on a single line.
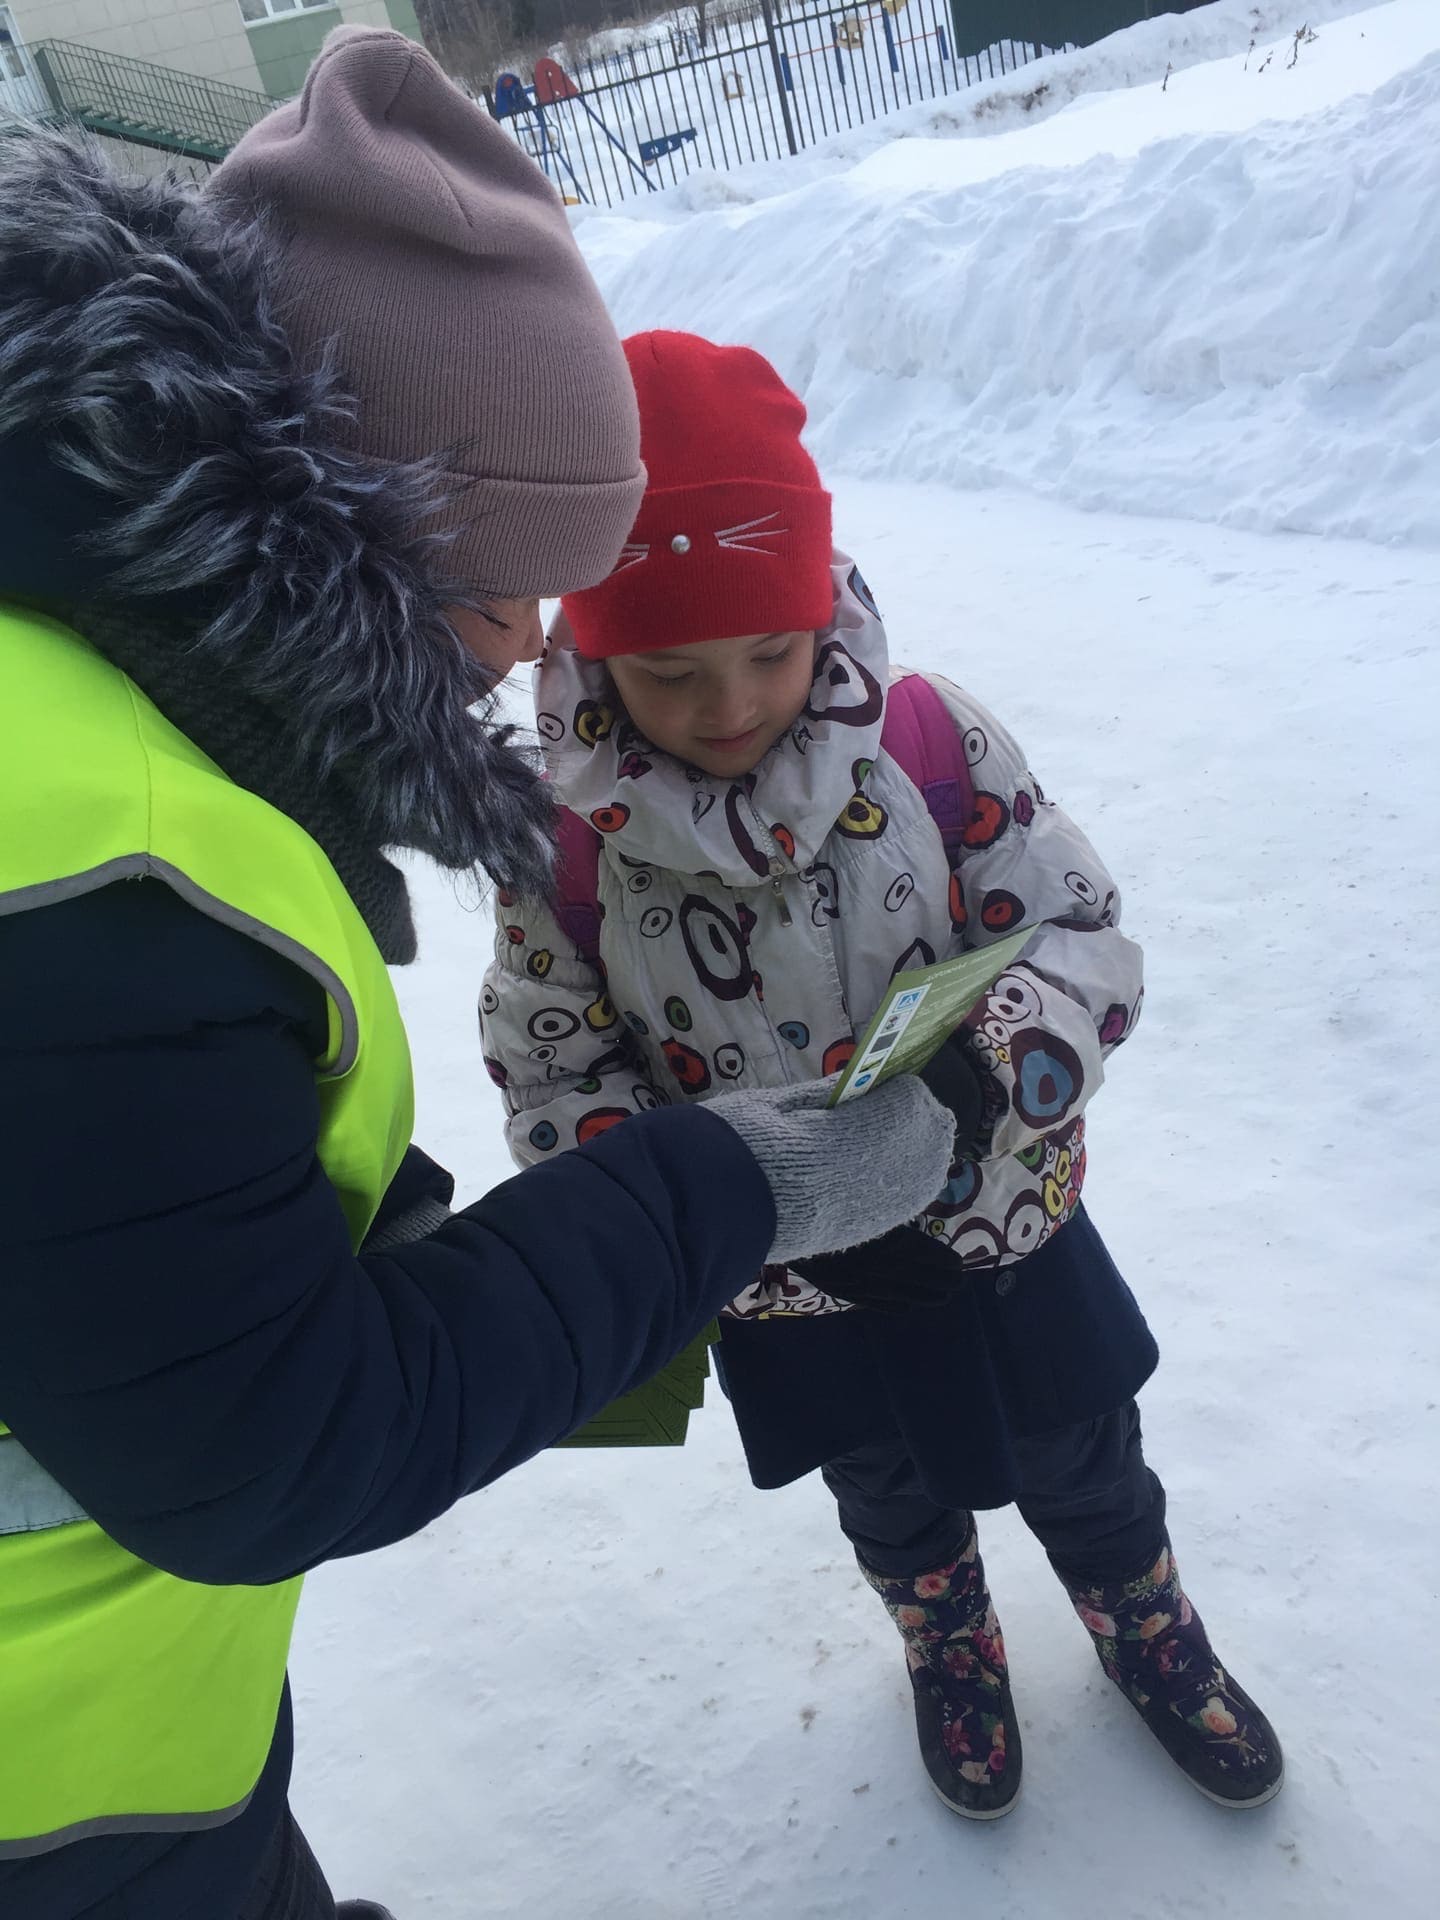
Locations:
{"points": [[130, 1700]]}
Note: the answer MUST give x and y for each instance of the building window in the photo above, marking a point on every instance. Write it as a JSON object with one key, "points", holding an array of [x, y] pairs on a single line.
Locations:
{"points": [[12, 65], [257, 10]]}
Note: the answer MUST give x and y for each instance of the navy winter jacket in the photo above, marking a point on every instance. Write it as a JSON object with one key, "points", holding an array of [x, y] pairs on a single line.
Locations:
{"points": [[187, 1341], [190, 1346]]}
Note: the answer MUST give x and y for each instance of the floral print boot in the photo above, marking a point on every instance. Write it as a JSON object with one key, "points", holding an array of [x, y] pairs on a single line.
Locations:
{"points": [[1153, 1645], [969, 1736]]}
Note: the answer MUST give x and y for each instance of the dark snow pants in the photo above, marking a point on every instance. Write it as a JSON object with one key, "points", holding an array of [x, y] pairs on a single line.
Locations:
{"points": [[1088, 1497], [290, 1885]]}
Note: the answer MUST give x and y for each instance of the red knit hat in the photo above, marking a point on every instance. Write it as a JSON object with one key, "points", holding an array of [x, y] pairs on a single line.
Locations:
{"points": [[734, 530]]}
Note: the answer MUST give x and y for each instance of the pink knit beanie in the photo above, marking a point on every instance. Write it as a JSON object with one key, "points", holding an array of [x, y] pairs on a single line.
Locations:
{"points": [[415, 236]]}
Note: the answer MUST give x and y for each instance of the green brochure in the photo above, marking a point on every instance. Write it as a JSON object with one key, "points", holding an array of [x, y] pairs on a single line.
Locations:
{"points": [[657, 1414], [921, 1010]]}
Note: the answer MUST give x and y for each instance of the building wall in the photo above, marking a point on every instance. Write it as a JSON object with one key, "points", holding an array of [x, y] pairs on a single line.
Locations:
{"points": [[284, 48], [404, 18], [207, 37], [21, 93]]}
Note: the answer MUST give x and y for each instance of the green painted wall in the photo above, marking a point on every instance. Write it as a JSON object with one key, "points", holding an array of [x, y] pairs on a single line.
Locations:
{"points": [[403, 17], [284, 48]]}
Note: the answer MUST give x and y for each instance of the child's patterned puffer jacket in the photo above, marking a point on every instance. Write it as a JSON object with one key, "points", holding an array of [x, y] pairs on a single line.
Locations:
{"points": [[749, 931]]}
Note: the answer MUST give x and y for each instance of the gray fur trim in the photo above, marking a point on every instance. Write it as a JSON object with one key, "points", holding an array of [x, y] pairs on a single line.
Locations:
{"points": [[137, 333]]}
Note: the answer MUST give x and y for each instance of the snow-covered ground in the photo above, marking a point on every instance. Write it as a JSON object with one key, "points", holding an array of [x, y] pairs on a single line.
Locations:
{"points": [[627, 1687]]}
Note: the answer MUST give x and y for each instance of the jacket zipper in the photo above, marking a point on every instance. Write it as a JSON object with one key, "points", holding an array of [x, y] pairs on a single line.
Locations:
{"points": [[778, 871]]}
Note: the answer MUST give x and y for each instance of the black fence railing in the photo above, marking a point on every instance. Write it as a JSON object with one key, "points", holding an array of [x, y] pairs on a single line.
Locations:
{"points": [[771, 82], [839, 70]]}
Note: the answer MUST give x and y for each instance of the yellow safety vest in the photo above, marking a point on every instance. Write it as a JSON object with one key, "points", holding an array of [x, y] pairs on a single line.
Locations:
{"points": [[131, 1700]]}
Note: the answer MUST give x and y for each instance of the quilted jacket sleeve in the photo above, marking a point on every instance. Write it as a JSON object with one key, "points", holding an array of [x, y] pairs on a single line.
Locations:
{"points": [[188, 1343], [566, 1065], [1043, 1031]]}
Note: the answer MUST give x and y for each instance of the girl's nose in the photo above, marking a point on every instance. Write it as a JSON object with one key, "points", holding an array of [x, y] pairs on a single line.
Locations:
{"points": [[729, 712]]}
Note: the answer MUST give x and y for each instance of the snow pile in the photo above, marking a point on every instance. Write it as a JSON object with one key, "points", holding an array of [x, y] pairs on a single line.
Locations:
{"points": [[1134, 58], [1214, 297]]}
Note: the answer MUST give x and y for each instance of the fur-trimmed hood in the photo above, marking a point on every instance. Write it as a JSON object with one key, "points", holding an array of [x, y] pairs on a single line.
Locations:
{"points": [[200, 469]]}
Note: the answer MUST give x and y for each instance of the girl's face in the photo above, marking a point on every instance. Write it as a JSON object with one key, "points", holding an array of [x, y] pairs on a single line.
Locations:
{"points": [[720, 705]]}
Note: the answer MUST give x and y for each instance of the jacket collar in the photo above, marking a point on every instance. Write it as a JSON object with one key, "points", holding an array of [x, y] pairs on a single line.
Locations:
{"points": [[661, 812]]}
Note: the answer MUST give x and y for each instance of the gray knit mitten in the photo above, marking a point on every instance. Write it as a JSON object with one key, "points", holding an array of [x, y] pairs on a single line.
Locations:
{"points": [[842, 1176]]}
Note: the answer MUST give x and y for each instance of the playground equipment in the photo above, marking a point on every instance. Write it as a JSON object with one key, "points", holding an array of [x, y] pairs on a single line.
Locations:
{"points": [[553, 84], [542, 142], [893, 43], [555, 88], [514, 100], [653, 150], [849, 37]]}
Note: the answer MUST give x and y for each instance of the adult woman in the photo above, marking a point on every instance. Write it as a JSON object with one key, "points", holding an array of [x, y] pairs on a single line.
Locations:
{"points": [[245, 619]]}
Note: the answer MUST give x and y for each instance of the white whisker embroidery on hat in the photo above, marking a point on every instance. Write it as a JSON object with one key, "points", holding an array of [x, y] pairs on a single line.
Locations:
{"points": [[741, 539], [631, 555]]}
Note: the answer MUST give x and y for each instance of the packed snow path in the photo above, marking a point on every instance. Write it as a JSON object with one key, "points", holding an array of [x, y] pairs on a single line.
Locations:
{"points": [[626, 1686]]}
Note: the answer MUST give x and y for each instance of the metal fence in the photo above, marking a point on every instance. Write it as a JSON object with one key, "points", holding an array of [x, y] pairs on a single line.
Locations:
{"points": [[766, 86], [145, 105]]}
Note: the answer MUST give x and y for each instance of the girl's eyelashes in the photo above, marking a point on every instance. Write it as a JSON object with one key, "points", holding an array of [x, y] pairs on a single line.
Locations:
{"points": [[776, 659]]}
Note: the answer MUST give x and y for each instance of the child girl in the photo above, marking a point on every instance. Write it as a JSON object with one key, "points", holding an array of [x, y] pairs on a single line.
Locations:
{"points": [[748, 867]]}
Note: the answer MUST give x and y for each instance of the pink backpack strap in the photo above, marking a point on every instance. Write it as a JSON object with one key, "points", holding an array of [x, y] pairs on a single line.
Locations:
{"points": [[576, 899], [920, 735]]}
